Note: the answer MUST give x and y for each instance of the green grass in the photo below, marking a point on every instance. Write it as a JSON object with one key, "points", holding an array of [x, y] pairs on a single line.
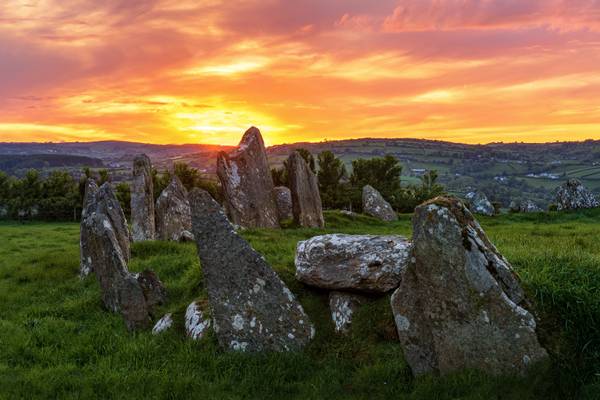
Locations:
{"points": [[56, 340]]}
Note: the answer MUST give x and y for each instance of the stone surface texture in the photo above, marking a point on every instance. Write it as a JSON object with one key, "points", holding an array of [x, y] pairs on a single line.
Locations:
{"points": [[360, 263], [306, 199], [283, 198], [252, 309], [572, 195], [460, 305], [173, 215], [143, 225]]}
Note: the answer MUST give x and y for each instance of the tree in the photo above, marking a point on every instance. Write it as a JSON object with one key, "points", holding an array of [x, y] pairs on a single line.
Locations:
{"points": [[279, 175], [104, 177], [383, 173], [60, 197], [331, 173], [27, 193]]}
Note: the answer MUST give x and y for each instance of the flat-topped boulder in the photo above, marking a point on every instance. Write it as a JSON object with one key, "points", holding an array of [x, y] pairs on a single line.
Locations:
{"points": [[247, 184], [359, 263], [572, 195], [102, 200], [376, 206], [143, 225], [133, 296], [306, 199], [460, 305], [480, 204], [173, 215], [283, 198], [252, 309]]}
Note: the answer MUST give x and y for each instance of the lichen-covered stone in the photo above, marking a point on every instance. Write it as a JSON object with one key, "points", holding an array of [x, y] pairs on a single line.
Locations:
{"points": [[142, 200], [306, 199], [283, 198], [342, 306], [480, 204], [163, 324], [247, 183], [185, 236], [154, 291], [460, 305], [102, 200], [375, 205], [363, 263], [252, 309], [196, 324], [572, 195], [173, 215], [525, 206]]}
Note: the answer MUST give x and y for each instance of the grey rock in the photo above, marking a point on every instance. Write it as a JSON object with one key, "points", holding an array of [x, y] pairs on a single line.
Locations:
{"points": [[375, 205], [342, 306], [283, 198], [252, 309], [142, 200], [572, 195], [185, 236], [362, 263], [525, 206], [103, 200], [247, 184], [153, 289], [173, 215], [480, 204], [163, 324], [460, 305], [306, 199], [196, 324]]}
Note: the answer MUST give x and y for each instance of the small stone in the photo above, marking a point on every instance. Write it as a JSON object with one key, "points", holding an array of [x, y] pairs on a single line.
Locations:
{"points": [[196, 325], [342, 306], [163, 324], [283, 198], [480, 203], [375, 205], [572, 195]]}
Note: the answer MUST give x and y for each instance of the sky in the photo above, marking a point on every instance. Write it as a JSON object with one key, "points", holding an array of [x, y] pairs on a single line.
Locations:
{"points": [[203, 71]]}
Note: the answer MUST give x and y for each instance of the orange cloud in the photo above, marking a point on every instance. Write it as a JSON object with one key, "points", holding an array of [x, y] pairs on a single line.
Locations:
{"points": [[167, 71]]}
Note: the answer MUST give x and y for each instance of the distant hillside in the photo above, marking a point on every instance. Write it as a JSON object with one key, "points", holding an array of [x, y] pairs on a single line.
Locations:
{"points": [[504, 171], [13, 164]]}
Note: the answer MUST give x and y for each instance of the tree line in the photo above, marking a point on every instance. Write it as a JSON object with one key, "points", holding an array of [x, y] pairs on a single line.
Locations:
{"points": [[59, 196]]}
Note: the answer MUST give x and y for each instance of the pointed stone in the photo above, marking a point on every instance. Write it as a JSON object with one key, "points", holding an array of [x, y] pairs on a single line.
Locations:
{"points": [[572, 195], [252, 309], [142, 200], [196, 323], [480, 203], [247, 184], [173, 215], [306, 199], [376, 206], [163, 324], [103, 200], [460, 305]]}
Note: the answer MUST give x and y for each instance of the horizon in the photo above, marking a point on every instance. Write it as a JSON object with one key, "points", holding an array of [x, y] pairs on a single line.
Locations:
{"points": [[165, 72]]}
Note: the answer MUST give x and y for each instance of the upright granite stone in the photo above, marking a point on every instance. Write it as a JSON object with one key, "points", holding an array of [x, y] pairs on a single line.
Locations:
{"points": [[142, 200], [252, 309], [572, 195], [247, 184], [306, 199], [103, 200], [480, 203], [359, 263], [173, 215], [133, 296], [375, 205], [459, 304], [283, 198]]}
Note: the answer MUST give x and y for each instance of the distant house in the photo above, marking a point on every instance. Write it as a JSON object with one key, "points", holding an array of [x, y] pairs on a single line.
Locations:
{"points": [[544, 175]]}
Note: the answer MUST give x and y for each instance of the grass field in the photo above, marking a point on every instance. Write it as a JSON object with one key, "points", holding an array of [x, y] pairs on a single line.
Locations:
{"points": [[56, 341]]}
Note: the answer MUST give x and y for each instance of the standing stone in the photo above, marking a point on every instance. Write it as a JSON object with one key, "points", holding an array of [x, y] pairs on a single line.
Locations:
{"points": [[247, 184], [283, 198], [103, 200], [359, 263], [142, 200], [459, 304], [306, 199], [572, 195], [375, 205], [480, 204], [252, 309], [343, 306], [173, 215]]}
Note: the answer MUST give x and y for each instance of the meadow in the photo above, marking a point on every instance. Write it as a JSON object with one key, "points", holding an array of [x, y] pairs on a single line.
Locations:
{"points": [[56, 340]]}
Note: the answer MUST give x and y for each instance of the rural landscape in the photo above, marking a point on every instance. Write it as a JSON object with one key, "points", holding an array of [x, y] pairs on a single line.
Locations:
{"points": [[319, 199]]}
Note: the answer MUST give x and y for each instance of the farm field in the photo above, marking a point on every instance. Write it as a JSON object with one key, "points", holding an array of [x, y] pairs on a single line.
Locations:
{"points": [[56, 341]]}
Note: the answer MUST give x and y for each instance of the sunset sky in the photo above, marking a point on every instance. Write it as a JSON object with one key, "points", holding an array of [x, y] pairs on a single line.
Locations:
{"points": [[179, 71]]}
